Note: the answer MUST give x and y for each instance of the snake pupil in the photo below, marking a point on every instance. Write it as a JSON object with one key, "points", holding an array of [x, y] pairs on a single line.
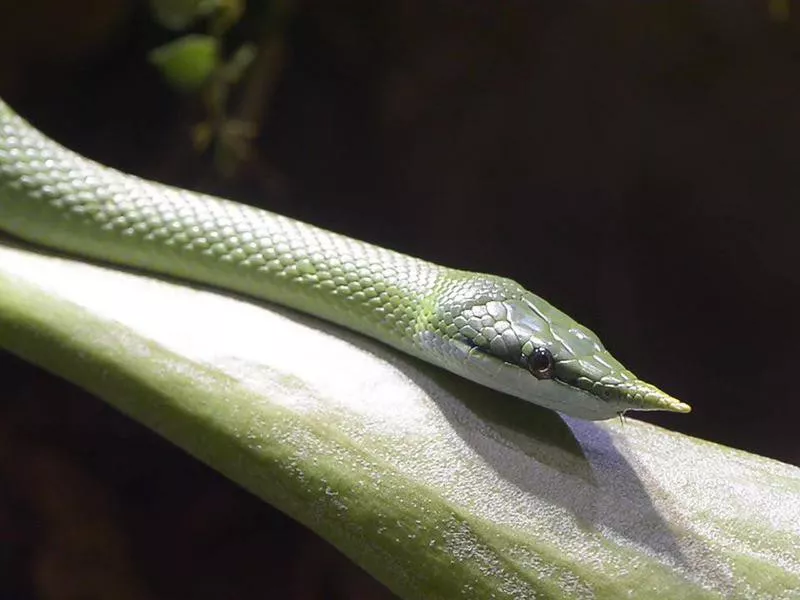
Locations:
{"points": [[541, 363]]}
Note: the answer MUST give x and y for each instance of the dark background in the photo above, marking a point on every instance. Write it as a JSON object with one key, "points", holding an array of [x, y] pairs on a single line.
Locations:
{"points": [[632, 162]]}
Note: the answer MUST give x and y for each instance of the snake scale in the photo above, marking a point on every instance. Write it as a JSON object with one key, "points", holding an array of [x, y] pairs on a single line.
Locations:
{"points": [[486, 328]]}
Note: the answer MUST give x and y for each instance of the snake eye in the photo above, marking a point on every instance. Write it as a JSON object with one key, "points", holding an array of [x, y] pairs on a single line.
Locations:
{"points": [[541, 363]]}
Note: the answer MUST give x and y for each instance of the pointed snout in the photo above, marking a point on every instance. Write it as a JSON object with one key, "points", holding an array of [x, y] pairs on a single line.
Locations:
{"points": [[644, 396]]}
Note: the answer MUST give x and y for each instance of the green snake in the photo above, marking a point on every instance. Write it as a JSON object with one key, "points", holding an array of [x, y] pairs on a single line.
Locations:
{"points": [[486, 328]]}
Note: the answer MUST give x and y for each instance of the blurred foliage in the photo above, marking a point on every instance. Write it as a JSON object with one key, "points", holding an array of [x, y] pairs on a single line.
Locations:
{"points": [[198, 63], [779, 10], [188, 62]]}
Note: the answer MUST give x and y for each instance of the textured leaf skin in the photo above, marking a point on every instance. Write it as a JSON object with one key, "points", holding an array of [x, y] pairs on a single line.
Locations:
{"points": [[439, 488]]}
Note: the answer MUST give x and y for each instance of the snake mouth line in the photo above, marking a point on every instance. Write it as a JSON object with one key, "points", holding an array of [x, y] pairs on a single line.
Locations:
{"points": [[631, 395]]}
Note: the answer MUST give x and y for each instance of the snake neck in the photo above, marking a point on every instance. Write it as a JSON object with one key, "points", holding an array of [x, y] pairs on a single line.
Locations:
{"points": [[53, 197]]}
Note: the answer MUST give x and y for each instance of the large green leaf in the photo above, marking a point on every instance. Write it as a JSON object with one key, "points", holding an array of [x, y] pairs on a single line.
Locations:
{"points": [[439, 488]]}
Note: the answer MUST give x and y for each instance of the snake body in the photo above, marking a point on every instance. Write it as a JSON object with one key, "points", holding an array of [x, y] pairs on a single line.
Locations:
{"points": [[486, 328]]}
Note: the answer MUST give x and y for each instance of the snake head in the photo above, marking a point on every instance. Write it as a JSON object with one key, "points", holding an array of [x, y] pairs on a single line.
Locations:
{"points": [[518, 343]]}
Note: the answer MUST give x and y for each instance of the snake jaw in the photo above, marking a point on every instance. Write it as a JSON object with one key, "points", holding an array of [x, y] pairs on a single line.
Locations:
{"points": [[618, 387], [634, 394]]}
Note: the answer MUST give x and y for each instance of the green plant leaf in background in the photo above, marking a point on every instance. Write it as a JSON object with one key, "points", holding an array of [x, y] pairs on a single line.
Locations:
{"points": [[188, 62], [439, 488]]}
